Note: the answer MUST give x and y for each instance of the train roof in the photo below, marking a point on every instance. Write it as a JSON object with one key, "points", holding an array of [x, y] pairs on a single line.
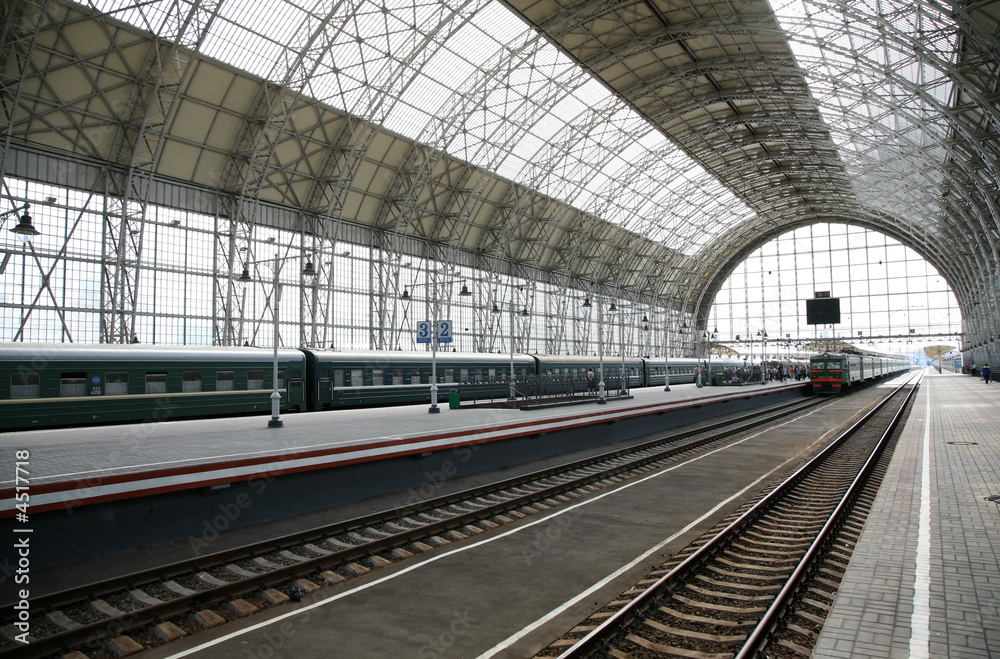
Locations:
{"points": [[137, 352], [376, 357], [583, 359]]}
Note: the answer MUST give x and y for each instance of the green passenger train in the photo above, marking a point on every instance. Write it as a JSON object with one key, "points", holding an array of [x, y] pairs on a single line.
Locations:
{"points": [[57, 385], [836, 372]]}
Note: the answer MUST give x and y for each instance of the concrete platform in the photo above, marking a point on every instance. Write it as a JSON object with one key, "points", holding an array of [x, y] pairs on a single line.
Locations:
{"points": [[508, 593], [114, 487], [924, 580]]}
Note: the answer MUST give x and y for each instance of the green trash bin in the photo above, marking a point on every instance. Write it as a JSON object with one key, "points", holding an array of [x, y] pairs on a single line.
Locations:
{"points": [[454, 400], [718, 379]]}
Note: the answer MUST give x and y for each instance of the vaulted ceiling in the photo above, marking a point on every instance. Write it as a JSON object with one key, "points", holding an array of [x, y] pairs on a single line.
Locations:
{"points": [[642, 145]]}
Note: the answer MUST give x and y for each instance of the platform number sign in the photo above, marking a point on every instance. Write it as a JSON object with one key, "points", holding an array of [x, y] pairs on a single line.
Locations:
{"points": [[423, 332], [443, 333]]}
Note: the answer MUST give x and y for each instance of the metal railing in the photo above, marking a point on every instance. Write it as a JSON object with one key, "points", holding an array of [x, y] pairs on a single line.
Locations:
{"points": [[538, 390]]}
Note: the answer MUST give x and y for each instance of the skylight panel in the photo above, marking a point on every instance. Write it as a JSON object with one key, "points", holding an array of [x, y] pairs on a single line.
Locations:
{"points": [[447, 65], [406, 119], [592, 92], [520, 107], [512, 167], [233, 45], [495, 20], [871, 85], [529, 147], [279, 21]]}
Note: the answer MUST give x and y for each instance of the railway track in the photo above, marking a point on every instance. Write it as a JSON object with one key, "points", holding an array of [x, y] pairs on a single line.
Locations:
{"points": [[148, 608], [761, 582]]}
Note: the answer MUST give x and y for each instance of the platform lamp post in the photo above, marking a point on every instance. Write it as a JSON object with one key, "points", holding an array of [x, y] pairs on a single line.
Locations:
{"points": [[667, 322], [709, 338], [666, 349], [308, 278], [512, 392], [601, 400], [429, 333], [763, 355], [622, 386]]}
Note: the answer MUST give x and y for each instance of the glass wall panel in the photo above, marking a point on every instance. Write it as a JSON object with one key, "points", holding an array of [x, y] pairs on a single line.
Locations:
{"points": [[885, 290]]}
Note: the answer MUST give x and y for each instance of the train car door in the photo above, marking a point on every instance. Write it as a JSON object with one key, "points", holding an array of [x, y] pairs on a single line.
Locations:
{"points": [[296, 396], [324, 390]]}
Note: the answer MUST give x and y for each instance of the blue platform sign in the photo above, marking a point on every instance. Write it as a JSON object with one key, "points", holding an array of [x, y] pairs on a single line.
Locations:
{"points": [[425, 331]]}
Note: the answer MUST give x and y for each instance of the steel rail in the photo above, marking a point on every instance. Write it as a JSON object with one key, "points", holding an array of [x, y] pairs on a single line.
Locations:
{"points": [[761, 634], [625, 616]]}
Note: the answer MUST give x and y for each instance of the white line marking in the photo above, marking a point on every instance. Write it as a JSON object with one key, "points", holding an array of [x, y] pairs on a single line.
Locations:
{"points": [[510, 640], [920, 618]]}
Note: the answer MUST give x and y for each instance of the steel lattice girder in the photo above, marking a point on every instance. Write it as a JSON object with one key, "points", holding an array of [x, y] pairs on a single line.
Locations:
{"points": [[796, 136]]}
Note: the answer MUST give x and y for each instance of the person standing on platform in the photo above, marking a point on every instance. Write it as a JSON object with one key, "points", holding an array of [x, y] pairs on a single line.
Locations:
{"points": [[986, 373], [591, 380], [973, 369]]}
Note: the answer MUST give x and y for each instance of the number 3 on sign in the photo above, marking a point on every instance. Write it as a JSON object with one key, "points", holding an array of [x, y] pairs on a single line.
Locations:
{"points": [[444, 331], [424, 332]]}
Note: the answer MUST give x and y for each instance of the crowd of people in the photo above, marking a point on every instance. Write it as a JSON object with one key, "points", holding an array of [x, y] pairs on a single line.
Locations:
{"points": [[770, 373]]}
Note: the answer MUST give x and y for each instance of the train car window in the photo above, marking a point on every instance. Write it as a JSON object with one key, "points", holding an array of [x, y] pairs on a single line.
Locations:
{"points": [[463, 374], [357, 377], [281, 380], [156, 383], [115, 384], [378, 377], [449, 375], [191, 381], [225, 380], [255, 380], [73, 384], [397, 376], [338, 378], [25, 385], [416, 377], [492, 373]]}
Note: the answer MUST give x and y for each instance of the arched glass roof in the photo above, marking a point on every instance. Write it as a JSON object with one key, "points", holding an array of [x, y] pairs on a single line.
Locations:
{"points": [[537, 118], [641, 148]]}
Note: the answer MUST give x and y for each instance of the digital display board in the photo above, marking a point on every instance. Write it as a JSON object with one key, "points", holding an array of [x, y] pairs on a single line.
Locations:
{"points": [[823, 311]]}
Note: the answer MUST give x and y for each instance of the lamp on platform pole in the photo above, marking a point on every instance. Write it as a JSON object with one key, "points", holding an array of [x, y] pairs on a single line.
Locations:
{"points": [[308, 278], [512, 391], [600, 344]]}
